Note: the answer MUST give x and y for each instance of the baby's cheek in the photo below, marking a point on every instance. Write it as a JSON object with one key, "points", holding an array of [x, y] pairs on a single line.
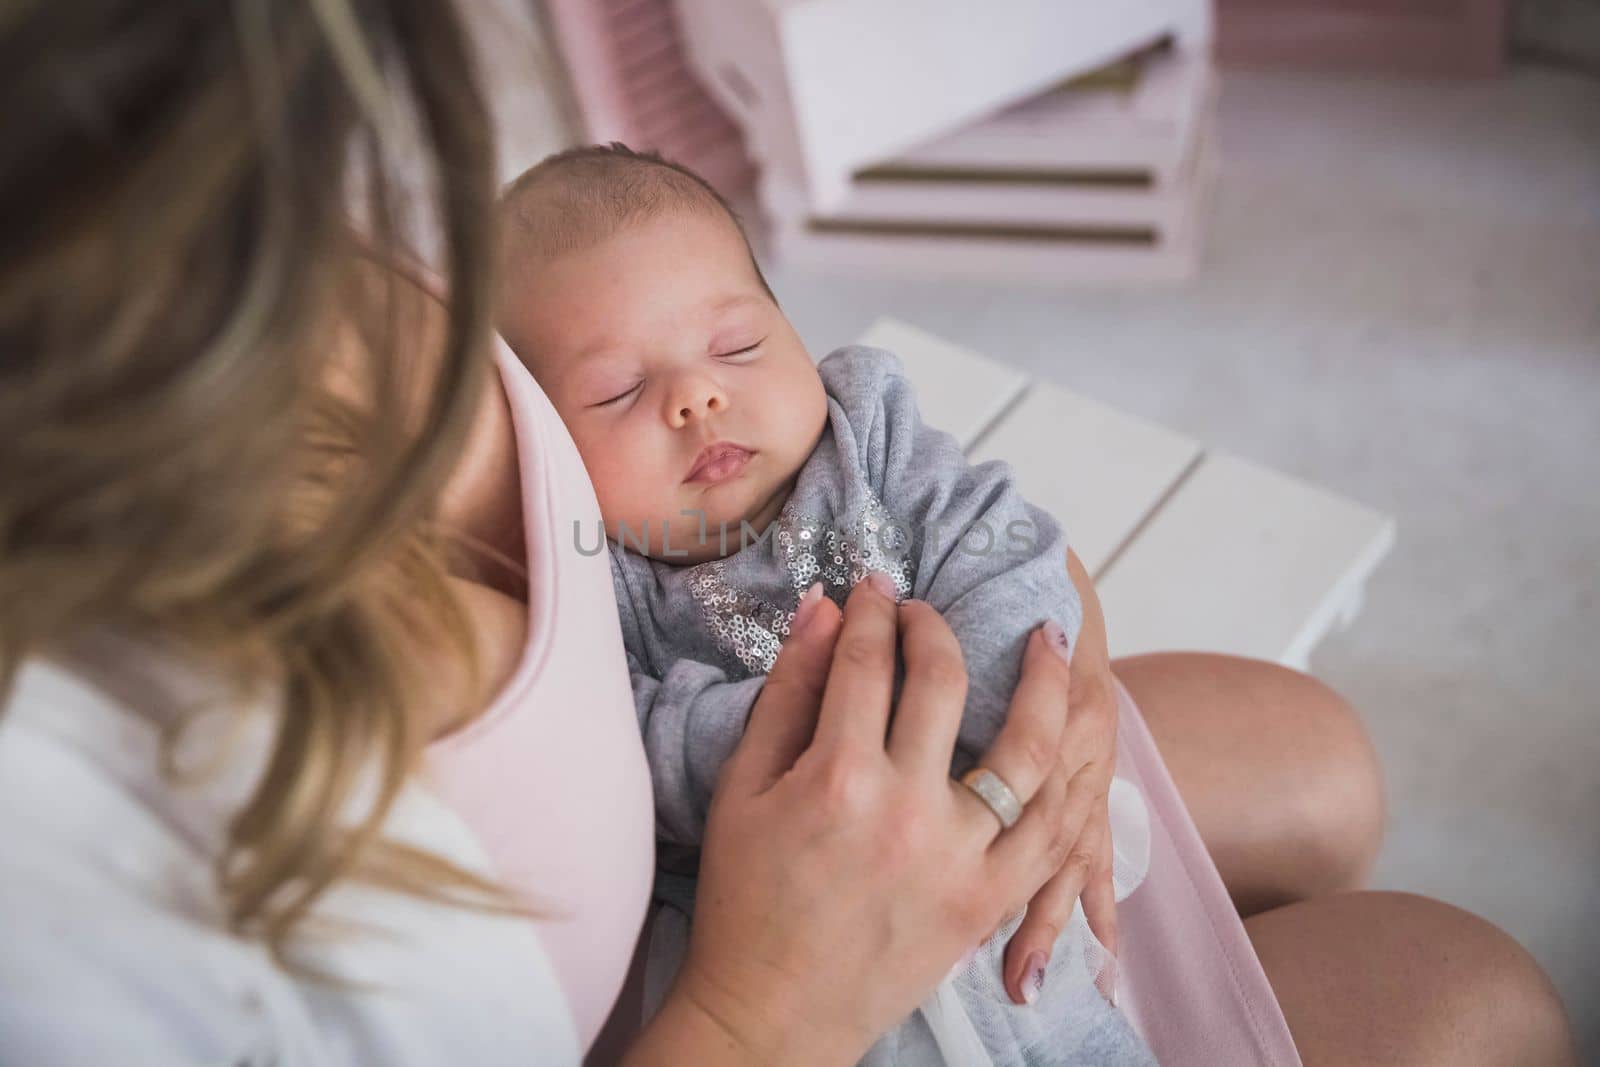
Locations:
{"points": [[806, 409], [792, 426], [628, 481]]}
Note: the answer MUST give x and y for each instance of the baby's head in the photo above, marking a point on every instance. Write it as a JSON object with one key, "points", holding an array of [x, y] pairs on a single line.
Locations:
{"points": [[629, 290]]}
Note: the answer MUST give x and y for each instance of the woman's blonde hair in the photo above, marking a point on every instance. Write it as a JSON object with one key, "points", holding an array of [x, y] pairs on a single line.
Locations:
{"points": [[181, 292]]}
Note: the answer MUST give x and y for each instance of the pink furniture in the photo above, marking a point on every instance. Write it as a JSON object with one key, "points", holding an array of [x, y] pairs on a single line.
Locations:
{"points": [[1463, 37], [631, 83]]}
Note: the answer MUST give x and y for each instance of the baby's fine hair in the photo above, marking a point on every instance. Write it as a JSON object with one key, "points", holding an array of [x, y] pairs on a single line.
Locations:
{"points": [[578, 197]]}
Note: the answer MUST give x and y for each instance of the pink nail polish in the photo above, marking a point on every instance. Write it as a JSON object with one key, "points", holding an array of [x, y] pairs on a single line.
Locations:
{"points": [[1033, 977], [883, 584], [806, 608], [1056, 638]]}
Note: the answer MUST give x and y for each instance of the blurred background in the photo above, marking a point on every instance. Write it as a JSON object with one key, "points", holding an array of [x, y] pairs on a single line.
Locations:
{"points": [[1318, 279]]}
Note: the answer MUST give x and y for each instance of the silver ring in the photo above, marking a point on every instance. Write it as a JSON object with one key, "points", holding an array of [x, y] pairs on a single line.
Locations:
{"points": [[993, 791]]}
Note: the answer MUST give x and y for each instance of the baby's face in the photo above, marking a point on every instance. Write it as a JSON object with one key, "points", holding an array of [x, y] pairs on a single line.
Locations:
{"points": [[681, 381]]}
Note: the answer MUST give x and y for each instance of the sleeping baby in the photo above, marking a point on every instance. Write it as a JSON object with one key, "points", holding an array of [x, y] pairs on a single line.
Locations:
{"points": [[736, 477]]}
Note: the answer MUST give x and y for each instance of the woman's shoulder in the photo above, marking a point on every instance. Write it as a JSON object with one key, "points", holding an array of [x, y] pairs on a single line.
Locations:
{"points": [[499, 626], [110, 912]]}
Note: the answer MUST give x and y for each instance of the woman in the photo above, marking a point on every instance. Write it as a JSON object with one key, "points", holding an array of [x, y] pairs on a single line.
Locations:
{"points": [[245, 653]]}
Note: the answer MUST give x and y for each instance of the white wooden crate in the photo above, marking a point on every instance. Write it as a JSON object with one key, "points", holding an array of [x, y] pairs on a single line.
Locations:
{"points": [[823, 88], [1021, 255], [980, 202], [1190, 548], [1150, 128], [1083, 184], [1096, 156]]}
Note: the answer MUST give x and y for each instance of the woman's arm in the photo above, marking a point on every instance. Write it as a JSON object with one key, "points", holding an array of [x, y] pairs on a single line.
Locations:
{"points": [[844, 872]]}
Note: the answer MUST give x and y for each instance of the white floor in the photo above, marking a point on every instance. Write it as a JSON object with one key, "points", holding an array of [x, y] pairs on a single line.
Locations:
{"points": [[1400, 300]]}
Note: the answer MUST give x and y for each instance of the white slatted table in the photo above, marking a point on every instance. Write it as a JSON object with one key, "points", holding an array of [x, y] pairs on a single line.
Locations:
{"points": [[1190, 548]]}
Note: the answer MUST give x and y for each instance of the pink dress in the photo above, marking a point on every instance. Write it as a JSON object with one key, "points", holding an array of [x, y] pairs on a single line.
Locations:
{"points": [[553, 780], [1188, 977]]}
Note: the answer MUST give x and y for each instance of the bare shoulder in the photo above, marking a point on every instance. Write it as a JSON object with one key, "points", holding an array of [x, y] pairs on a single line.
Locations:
{"points": [[482, 499], [499, 627]]}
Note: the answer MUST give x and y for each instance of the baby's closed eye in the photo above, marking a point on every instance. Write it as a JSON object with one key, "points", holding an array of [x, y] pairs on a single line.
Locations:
{"points": [[619, 397], [741, 355]]}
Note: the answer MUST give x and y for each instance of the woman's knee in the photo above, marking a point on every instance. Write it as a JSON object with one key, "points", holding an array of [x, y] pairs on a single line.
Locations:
{"points": [[1494, 985], [1335, 802], [1397, 978], [1276, 767]]}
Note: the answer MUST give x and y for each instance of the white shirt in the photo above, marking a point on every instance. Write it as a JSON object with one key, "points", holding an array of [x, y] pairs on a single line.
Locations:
{"points": [[113, 948]]}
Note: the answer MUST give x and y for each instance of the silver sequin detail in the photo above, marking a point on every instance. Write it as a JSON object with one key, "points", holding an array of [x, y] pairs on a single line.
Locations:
{"points": [[839, 555], [745, 627], [749, 630]]}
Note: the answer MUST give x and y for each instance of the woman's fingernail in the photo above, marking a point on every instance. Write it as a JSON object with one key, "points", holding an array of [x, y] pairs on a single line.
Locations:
{"points": [[1056, 638], [1107, 982], [806, 608], [883, 584], [1033, 977]]}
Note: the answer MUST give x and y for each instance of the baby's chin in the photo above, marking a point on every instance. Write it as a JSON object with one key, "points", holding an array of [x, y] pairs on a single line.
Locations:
{"points": [[711, 533], [712, 529], [685, 542], [756, 497]]}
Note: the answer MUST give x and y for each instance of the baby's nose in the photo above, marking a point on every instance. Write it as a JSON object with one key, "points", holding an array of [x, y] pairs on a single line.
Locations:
{"points": [[697, 400]]}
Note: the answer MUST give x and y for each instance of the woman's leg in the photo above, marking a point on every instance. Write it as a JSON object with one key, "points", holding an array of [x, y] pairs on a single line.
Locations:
{"points": [[1397, 979], [1274, 767], [1285, 791]]}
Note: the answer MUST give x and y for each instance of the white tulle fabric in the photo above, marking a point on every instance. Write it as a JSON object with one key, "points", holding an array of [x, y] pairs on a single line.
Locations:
{"points": [[970, 1020]]}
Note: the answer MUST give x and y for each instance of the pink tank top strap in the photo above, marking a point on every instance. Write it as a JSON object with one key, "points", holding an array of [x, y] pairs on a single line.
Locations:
{"points": [[553, 777]]}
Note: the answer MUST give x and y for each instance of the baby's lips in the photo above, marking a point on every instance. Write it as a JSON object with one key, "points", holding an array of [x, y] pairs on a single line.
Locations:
{"points": [[715, 456]]}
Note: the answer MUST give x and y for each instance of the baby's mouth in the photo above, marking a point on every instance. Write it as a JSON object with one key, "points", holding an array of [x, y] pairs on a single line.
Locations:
{"points": [[718, 462]]}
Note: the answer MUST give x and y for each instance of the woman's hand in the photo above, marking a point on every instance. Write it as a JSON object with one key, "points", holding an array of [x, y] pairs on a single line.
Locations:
{"points": [[844, 872], [1090, 742]]}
